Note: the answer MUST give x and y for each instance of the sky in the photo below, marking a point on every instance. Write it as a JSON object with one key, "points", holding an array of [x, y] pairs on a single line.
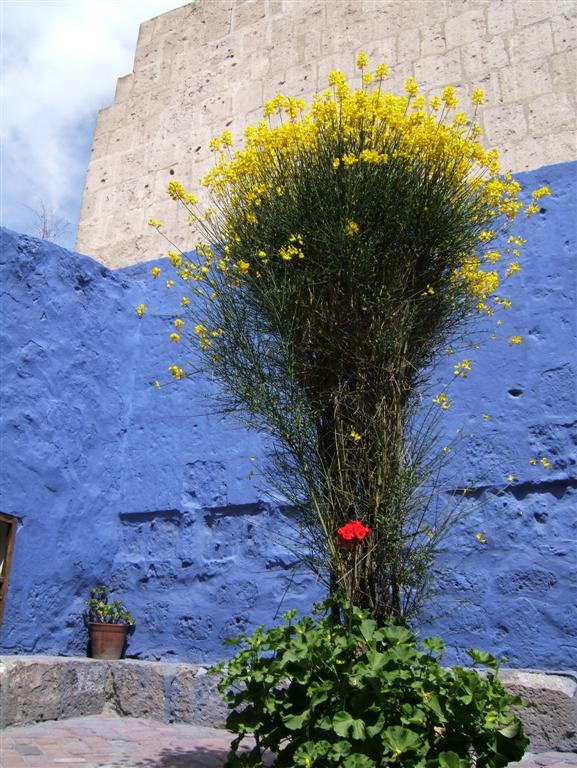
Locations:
{"points": [[60, 60]]}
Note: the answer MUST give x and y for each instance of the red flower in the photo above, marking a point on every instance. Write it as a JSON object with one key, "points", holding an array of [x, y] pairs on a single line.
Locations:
{"points": [[351, 532]]}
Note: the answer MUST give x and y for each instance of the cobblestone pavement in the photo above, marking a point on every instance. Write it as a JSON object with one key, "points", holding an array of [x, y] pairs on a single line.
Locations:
{"points": [[116, 742]]}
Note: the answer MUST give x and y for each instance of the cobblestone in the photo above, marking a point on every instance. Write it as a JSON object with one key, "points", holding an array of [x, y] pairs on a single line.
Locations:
{"points": [[115, 742]]}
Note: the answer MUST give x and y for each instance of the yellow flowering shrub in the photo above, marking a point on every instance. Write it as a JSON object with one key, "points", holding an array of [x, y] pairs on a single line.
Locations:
{"points": [[347, 246]]}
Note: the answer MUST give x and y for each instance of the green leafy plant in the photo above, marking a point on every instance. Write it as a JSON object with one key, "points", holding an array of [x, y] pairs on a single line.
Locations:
{"points": [[101, 611], [320, 692]]}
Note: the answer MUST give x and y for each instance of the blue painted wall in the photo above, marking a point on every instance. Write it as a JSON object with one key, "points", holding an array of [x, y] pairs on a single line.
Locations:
{"points": [[113, 480]]}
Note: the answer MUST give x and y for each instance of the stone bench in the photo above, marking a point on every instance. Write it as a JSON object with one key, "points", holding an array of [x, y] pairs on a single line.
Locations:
{"points": [[35, 688]]}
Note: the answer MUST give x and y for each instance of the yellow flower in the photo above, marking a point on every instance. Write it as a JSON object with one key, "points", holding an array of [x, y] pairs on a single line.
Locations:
{"points": [[486, 416], [336, 162], [510, 478], [411, 86], [141, 309], [537, 194], [199, 329], [184, 301], [175, 259], [154, 223], [355, 435], [492, 257], [169, 283], [545, 462], [478, 97], [176, 190], [157, 384], [449, 97], [533, 462], [514, 340], [176, 372], [462, 369], [512, 269], [174, 338], [480, 538], [434, 103], [351, 228], [381, 72], [178, 323], [155, 271], [242, 267], [362, 60], [442, 400]]}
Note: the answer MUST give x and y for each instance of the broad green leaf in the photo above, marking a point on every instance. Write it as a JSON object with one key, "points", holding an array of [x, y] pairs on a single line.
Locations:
{"points": [[396, 635], [342, 723], [401, 739], [359, 761], [512, 730], [449, 760], [434, 644], [483, 658], [358, 729], [340, 749], [293, 722], [368, 627]]}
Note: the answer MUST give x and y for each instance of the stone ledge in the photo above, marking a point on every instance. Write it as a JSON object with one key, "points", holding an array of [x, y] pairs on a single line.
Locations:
{"points": [[35, 688]]}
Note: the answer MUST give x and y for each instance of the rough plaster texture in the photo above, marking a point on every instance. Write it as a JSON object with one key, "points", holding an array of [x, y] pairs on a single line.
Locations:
{"points": [[113, 480], [40, 688], [210, 64]]}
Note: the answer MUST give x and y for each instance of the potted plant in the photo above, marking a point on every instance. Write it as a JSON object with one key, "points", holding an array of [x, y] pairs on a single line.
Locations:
{"points": [[108, 624]]}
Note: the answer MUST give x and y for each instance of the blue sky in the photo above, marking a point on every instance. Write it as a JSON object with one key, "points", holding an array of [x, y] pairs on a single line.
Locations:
{"points": [[60, 60]]}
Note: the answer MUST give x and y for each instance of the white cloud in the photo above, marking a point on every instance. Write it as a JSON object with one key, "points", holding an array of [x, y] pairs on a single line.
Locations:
{"points": [[60, 63]]}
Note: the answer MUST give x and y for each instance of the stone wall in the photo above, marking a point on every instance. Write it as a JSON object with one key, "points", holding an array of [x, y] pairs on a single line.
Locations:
{"points": [[210, 64], [37, 688], [147, 489]]}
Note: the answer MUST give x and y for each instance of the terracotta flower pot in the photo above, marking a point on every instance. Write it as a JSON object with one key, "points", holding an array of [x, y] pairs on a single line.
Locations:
{"points": [[107, 640]]}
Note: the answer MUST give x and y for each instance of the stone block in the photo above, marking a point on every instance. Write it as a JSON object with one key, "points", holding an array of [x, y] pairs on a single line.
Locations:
{"points": [[550, 719], [562, 68], [246, 98], [247, 12], [505, 125], [408, 45], [534, 42], [524, 81], [551, 114], [500, 17], [33, 689], [123, 88], [216, 18], [145, 32], [564, 28], [532, 11], [138, 688], [110, 118], [468, 27], [484, 56], [194, 698], [433, 40], [382, 51], [438, 71]]}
